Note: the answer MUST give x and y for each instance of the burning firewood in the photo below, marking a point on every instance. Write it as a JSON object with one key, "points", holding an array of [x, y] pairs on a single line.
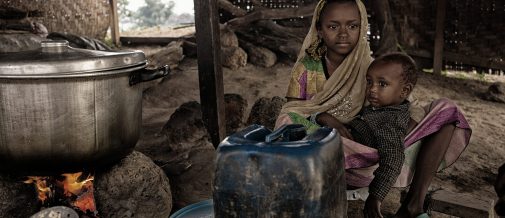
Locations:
{"points": [[70, 189], [135, 185]]}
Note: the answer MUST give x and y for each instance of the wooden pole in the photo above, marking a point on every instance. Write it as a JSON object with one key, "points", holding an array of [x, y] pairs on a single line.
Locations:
{"points": [[388, 42], [438, 51], [209, 68], [114, 23]]}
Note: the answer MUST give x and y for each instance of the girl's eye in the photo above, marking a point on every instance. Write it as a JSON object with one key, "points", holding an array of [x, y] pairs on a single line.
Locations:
{"points": [[333, 26], [353, 26], [383, 84], [368, 82]]}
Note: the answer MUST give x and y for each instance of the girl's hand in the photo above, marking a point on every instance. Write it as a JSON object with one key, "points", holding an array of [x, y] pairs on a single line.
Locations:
{"points": [[372, 207], [325, 119]]}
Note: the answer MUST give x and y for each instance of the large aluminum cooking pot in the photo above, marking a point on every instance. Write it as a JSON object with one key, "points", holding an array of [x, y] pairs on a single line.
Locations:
{"points": [[63, 109]]}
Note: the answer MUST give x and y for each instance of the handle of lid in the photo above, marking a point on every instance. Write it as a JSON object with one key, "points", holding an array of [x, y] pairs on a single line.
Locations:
{"points": [[54, 46]]}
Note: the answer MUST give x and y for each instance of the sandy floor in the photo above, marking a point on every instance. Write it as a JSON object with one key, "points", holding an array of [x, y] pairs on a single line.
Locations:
{"points": [[473, 173]]}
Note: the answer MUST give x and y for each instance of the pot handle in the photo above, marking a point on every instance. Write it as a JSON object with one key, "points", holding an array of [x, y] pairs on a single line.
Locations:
{"points": [[145, 75]]}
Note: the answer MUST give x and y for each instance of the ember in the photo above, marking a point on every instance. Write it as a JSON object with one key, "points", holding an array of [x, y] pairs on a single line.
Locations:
{"points": [[74, 190]]}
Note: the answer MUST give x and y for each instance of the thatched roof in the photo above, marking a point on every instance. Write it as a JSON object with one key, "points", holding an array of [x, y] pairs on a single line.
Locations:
{"points": [[84, 17]]}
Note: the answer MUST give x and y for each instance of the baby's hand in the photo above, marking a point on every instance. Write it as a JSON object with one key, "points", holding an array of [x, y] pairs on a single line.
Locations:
{"points": [[326, 119], [344, 132], [372, 208]]}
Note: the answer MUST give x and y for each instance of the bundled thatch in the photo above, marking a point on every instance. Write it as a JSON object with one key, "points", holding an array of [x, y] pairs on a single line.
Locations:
{"points": [[89, 18]]}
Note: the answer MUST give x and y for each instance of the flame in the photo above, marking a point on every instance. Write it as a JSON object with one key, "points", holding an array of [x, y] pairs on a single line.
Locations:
{"points": [[72, 185], [43, 191], [83, 189], [77, 192]]}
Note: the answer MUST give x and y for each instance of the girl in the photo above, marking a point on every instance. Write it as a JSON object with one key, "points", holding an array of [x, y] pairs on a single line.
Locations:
{"points": [[328, 84]]}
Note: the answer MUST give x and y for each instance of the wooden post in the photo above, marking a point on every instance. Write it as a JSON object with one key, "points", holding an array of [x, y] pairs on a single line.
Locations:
{"points": [[209, 68], [438, 51], [114, 26], [388, 42]]}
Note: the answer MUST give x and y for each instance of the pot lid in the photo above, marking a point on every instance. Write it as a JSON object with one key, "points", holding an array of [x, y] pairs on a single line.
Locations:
{"points": [[56, 59]]}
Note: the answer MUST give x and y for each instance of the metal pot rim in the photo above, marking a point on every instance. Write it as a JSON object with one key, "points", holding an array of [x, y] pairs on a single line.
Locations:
{"points": [[55, 59], [80, 74]]}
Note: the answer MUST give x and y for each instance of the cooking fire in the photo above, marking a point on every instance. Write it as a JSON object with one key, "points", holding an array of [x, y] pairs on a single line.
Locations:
{"points": [[74, 190]]}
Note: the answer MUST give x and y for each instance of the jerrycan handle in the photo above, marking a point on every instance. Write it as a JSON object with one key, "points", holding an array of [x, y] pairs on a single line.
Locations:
{"points": [[291, 132]]}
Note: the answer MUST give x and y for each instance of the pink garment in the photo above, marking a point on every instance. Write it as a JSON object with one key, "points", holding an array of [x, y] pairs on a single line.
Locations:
{"points": [[361, 160]]}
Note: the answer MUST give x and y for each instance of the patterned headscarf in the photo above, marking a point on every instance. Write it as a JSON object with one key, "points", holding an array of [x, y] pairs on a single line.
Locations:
{"points": [[343, 93]]}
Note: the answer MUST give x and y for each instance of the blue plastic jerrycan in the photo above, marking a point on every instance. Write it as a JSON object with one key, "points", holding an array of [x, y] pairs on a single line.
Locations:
{"points": [[286, 173]]}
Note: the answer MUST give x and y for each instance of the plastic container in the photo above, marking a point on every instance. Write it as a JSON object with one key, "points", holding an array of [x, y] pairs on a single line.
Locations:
{"points": [[285, 173]]}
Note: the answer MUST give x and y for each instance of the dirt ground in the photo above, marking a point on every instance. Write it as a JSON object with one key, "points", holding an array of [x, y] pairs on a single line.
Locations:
{"points": [[473, 173]]}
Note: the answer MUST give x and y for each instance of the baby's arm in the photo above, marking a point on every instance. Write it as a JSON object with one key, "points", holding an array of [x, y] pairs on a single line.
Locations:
{"points": [[325, 119], [391, 157]]}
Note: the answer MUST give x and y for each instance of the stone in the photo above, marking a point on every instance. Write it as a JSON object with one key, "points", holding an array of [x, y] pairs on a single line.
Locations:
{"points": [[185, 125], [259, 56], [265, 111], [233, 57], [169, 55], [134, 187], [235, 106], [494, 93], [496, 88], [262, 57], [17, 199], [56, 212], [228, 38], [184, 151]]}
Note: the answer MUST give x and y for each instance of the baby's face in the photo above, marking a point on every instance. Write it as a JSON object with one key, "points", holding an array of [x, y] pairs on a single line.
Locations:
{"points": [[384, 85]]}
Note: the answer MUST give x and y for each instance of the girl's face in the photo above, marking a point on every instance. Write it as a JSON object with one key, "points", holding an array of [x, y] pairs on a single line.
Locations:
{"points": [[384, 85], [340, 27]]}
